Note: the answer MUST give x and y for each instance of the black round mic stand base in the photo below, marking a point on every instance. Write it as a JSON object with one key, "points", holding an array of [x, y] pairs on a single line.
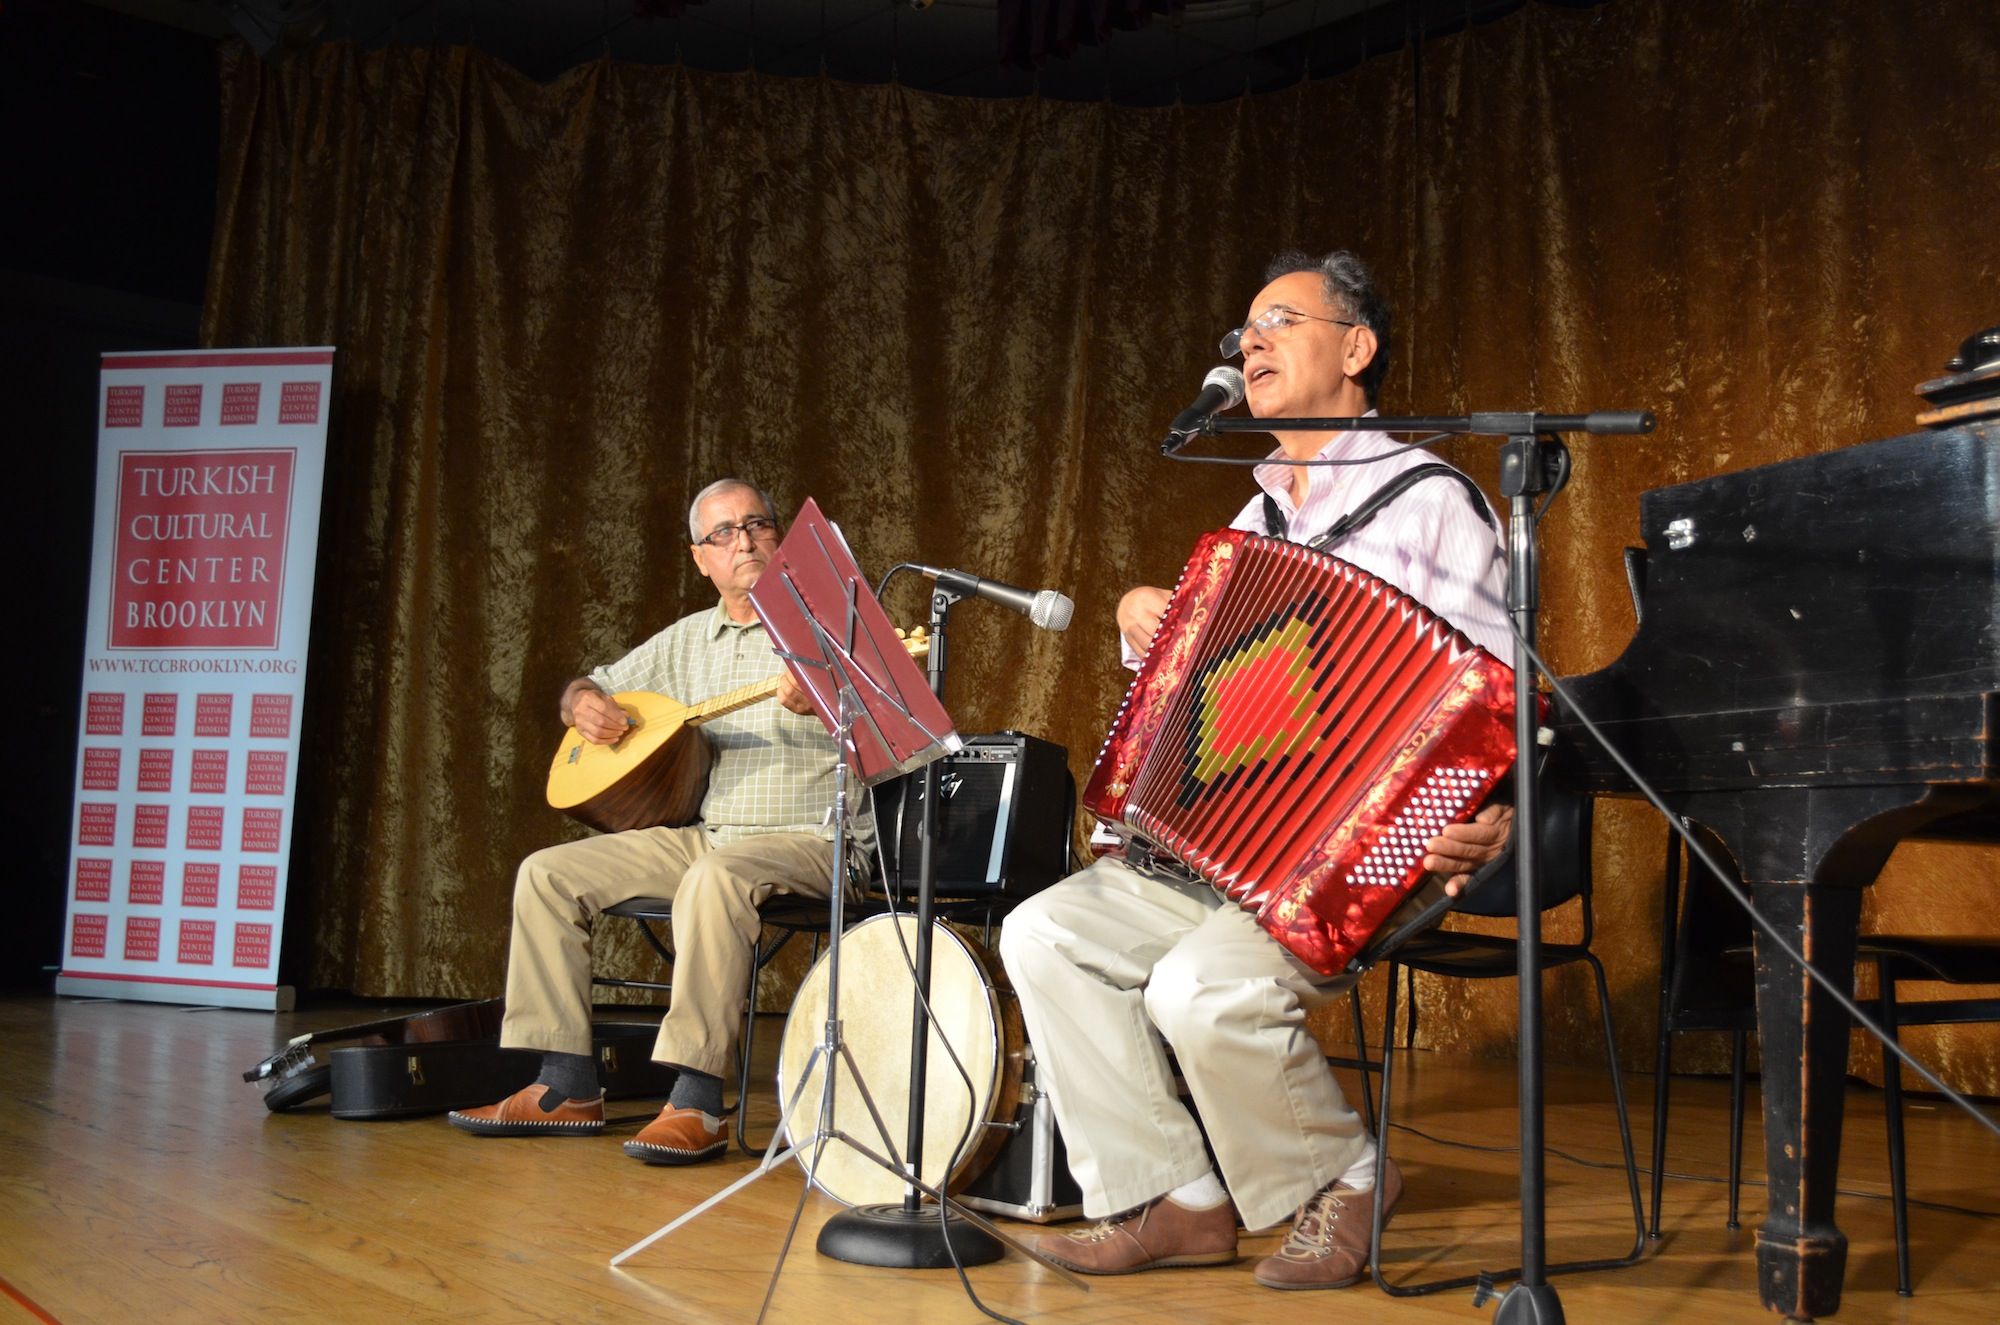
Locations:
{"points": [[1529, 1304], [899, 1238]]}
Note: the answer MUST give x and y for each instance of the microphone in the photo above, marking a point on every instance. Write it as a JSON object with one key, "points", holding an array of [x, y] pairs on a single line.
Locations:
{"points": [[1222, 389], [1046, 608]]}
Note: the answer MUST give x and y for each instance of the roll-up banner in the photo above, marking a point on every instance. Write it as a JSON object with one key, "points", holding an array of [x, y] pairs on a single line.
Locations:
{"points": [[208, 491]]}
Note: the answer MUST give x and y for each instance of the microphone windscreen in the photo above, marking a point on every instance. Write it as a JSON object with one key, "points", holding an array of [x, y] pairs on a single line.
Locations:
{"points": [[1052, 610], [1230, 380]]}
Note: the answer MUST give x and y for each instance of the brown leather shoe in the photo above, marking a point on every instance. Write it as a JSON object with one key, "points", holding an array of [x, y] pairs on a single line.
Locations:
{"points": [[1157, 1234], [1328, 1244], [523, 1114], [679, 1136]]}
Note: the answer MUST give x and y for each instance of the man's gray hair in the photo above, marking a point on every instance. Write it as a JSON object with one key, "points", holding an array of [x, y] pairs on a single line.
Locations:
{"points": [[1350, 290], [721, 485]]}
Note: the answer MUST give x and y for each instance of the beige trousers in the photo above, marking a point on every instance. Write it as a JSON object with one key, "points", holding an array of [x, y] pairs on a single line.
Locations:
{"points": [[715, 890], [1110, 964]]}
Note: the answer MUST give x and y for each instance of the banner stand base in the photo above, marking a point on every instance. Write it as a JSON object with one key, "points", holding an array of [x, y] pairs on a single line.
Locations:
{"points": [[267, 998]]}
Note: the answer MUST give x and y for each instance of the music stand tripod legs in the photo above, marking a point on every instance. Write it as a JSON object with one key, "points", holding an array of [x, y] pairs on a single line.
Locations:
{"points": [[830, 1052]]}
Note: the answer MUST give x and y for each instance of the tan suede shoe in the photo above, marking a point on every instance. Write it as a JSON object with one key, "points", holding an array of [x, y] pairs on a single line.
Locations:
{"points": [[1328, 1244], [1157, 1234], [523, 1114], [680, 1136]]}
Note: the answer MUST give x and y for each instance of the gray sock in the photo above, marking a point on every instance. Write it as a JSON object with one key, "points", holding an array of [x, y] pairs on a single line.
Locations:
{"points": [[569, 1076], [697, 1090]]}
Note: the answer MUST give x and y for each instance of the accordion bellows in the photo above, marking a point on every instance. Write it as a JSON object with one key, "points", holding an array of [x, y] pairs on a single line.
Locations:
{"points": [[1298, 731]]}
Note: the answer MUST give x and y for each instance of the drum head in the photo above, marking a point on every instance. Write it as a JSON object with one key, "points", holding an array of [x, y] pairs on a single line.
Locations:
{"points": [[875, 1011]]}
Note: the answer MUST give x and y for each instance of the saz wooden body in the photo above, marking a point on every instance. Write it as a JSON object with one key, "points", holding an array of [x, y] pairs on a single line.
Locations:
{"points": [[656, 775]]}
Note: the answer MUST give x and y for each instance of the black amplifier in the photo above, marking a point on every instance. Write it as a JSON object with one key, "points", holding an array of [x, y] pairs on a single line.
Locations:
{"points": [[1005, 806]]}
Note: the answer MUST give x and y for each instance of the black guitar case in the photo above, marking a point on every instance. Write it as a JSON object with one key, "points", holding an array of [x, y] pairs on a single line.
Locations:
{"points": [[434, 1061], [403, 1081]]}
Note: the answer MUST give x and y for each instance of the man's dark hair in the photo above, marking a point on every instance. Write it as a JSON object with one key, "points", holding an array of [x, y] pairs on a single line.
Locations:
{"points": [[1350, 290]]}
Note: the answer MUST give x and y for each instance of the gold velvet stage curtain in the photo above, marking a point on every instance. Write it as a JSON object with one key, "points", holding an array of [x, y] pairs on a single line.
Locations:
{"points": [[961, 324]]}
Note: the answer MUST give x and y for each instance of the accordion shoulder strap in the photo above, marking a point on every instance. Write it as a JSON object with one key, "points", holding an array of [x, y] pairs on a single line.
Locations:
{"points": [[1393, 489]]}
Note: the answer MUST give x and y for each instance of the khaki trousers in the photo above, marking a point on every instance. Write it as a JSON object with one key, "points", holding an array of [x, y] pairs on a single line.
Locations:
{"points": [[1109, 964], [715, 890]]}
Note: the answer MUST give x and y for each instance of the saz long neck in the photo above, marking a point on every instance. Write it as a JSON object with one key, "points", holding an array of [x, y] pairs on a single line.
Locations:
{"points": [[917, 645], [729, 701]]}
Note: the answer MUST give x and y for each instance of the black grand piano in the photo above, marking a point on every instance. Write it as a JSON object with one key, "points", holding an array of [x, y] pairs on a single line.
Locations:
{"points": [[1815, 678]]}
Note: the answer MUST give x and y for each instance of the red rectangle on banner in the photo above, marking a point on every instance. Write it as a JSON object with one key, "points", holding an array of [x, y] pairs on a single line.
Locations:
{"points": [[208, 772], [271, 715], [147, 884], [156, 770], [96, 825], [200, 554], [149, 826], [253, 946], [183, 409], [298, 402], [160, 712], [142, 938], [204, 828], [87, 933], [257, 888], [212, 714], [201, 883], [103, 713], [93, 880], [197, 946], [100, 768], [124, 406], [239, 402], [265, 773], [261, 829]]}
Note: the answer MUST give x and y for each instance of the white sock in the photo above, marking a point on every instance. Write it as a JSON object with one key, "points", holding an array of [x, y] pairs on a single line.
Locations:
{"points": [[1361, 1174], [1204, 1193]]}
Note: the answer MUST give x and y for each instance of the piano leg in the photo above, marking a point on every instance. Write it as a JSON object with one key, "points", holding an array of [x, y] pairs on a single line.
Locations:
{"points": [[1801, 1255]]}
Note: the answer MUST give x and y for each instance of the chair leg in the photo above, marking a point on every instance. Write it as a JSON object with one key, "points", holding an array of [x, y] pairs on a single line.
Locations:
{"points": [[1663, 1066], [1892, 1106], [1663, 1057], [1382, 1135], [747, 1041], [1361, 1053], [1739, 1049], [1624, 1112], [1410, 1017], [1485, 1278], [745, 1044]]}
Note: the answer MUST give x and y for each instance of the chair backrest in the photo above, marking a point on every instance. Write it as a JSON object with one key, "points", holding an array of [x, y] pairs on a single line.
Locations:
{"points": [[1565, 842], [1710, 983]]}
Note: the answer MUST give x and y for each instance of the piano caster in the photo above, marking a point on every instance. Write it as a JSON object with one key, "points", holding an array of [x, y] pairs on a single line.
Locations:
{"points": [[1801, 1278]]}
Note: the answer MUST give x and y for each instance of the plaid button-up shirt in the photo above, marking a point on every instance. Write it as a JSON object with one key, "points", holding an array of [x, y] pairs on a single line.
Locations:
{"points": [[773, 768]]}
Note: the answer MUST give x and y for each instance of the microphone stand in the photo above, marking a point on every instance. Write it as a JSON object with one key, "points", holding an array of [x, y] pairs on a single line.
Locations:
{"points": [[908, 1235], [1531, 460]]}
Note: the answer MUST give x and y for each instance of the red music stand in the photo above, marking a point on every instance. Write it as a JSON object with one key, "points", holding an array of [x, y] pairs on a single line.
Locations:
{"points": [[825, 622]]}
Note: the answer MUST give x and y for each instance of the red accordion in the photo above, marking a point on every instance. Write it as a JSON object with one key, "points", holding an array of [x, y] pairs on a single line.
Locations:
{"points": [[1298, 731]]}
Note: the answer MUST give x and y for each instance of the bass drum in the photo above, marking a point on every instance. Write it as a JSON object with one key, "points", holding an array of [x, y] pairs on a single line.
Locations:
{"points": [[971, 1007]]}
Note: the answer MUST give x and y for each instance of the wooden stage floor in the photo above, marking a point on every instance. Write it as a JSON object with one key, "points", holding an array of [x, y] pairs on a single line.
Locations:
{"points": [[141, 1180]]}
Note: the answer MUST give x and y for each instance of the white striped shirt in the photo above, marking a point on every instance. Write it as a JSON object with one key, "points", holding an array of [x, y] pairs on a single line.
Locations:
{"points": [[1429, 542]]}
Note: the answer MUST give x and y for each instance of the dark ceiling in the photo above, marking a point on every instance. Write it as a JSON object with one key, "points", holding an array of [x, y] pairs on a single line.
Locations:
{"points": [[1140, 52]]}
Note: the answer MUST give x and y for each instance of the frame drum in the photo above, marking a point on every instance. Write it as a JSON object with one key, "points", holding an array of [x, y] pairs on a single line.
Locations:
{"points": [[971, 1008]]}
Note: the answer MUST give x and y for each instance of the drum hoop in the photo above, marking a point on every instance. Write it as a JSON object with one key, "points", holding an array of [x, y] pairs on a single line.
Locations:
{"points": [[1008, 1039]]}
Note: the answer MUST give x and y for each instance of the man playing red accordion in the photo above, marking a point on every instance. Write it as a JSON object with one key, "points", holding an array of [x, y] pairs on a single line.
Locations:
{"points": [[1113, 963]]}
